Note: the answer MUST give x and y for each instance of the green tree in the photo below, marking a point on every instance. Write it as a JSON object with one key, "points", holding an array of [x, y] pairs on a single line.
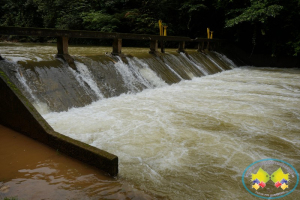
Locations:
{"points": [[100, 21], [272, 25], [20, 13], [63, 14], [258, 11]]}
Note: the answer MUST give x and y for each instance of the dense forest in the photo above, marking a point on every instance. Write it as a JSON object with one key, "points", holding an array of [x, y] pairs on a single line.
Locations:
{"points": [[261, 26]]}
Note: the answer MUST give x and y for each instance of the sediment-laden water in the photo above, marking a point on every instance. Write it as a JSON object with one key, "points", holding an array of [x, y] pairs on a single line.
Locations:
{"points": [[185, 132], [193, 140]]}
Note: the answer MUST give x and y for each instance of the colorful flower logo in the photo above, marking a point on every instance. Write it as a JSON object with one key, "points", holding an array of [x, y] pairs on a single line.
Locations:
{"points": [[283, 180]]}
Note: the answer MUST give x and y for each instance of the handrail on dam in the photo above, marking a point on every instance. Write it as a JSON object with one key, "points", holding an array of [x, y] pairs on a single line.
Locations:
{"points": [[64, 35]]}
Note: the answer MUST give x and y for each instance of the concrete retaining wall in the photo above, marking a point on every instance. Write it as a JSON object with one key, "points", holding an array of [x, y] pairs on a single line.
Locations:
{"points": [[19, 114]]}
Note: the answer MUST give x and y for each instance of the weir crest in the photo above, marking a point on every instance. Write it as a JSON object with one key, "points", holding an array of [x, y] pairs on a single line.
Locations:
{"points": [[39, 84], [57, 86]]}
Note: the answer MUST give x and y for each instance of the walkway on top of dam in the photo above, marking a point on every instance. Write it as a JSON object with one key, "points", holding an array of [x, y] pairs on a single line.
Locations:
{"points": [[64, 35], [117, 37], [46, 32]]}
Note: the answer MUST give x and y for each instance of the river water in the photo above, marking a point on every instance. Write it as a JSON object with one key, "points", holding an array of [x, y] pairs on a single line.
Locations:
{"points": [[193, 139]]}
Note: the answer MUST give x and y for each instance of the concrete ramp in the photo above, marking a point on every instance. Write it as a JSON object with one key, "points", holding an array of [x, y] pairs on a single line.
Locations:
{"points": [[19, 114]]}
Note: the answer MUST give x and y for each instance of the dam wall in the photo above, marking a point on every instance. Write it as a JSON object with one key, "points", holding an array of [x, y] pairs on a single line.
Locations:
{"points": [[19, 114], [34, 82]]}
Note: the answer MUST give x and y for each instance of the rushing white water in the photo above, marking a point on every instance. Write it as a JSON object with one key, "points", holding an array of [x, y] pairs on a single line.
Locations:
{"points": [[40, 106], [226, 60], [216, 64], [23, 81], [200, 68], [84, 76], [137, 74], [190, 140], [59, 87], [173, 71], [147, 73], [194, 139], [176, 59]]}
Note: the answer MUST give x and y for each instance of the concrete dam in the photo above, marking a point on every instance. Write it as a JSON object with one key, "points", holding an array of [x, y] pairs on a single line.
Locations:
{"points": [[177, 125]]}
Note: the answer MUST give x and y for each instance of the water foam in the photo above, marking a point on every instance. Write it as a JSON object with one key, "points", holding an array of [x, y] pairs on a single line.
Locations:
{"points": [[84, 76], [194, 139], [215, 63], [199, 67], [223, 57], [40, 106]]}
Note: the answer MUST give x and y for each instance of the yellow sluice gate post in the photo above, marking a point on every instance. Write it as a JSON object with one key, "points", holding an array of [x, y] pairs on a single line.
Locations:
{"points": [[160, 26], [211, 35], [161, 33], [208, 33], [165, 30]]}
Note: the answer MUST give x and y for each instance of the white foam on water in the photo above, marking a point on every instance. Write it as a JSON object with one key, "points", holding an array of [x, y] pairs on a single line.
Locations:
{"points": [[23, 82], [174, 72], [223, 57], [16, 59], [194, 139], [127, 75], [198, 66], [83, 75], [175, 59], [38, 59], [41, 107], [16, 52], [136, 68], [136, 74], [215, 63], [149, 74]]}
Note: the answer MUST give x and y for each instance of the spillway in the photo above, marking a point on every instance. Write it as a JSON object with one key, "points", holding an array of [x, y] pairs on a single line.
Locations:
{"points": [[183, 126], [48, 81]]}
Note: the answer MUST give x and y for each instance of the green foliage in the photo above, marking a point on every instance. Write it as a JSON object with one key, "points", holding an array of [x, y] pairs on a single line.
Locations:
{"points": [[19, 13], [142, 22], [258, 11], [272, 25], [99, 21], [69, 17], [192, 8]]}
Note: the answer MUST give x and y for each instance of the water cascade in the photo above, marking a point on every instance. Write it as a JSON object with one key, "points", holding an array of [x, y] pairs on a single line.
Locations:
{"points": [[189, 140], [50, 82], [193, 139]]}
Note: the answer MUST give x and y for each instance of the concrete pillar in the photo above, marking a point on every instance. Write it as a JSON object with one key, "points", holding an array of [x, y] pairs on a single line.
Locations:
{"points": [[181, 47], [162, 46], [212, 46], [207, 47], [117, 47], [153, 46], [200, 46], [63, 52], [62, 45]]}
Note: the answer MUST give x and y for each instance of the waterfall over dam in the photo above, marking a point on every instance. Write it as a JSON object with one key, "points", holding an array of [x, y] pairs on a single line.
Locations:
{"points": [[48, 81], [184, 126]]}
